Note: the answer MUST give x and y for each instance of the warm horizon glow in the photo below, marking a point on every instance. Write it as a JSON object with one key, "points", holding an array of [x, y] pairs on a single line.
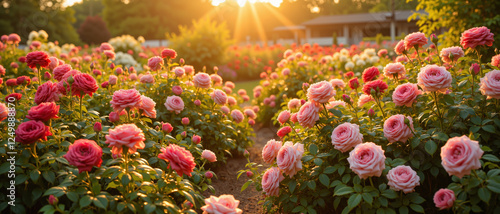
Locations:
{"points": [[242, 3], [69, 3]]}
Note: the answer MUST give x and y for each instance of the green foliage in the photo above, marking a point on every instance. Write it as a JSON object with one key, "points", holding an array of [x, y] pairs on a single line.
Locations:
{"points": [[94, 31], [203, 45]]}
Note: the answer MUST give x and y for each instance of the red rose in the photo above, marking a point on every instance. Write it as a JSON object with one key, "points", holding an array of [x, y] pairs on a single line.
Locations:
{"points": [[15, 95], [284, 131], [370, 74], [84, 84], [31, 131], [47, 92], [167, 52], [11, 82], [43, 112], [23, 80], [84, 154], [378, 86], [37, 58], [354, 83]]}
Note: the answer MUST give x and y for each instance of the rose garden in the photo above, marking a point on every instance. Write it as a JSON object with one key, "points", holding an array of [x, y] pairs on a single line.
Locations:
{"points": [[405, 127]]}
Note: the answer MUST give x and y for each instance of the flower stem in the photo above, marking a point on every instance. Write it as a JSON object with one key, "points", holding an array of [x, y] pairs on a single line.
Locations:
{"points": [[436, 99], [81, 101], [379, 105], [371, 182], [296, 133]]}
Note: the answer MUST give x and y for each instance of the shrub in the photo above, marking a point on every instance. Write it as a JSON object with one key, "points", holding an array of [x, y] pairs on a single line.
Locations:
{"points": [[93, 30]]}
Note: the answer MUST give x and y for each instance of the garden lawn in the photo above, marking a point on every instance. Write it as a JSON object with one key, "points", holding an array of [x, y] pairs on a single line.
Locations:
{"points": [[248, 86]]}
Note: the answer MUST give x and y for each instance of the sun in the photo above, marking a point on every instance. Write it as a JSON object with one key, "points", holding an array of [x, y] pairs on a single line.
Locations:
{"points": [[242, 3], [69, 3]]}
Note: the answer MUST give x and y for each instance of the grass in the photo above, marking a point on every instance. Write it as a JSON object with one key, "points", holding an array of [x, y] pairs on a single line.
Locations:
{"points": [[248, 86]]}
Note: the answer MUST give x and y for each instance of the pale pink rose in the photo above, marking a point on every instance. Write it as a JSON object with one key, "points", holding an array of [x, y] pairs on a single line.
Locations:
{"points": [[308, 115], [287, 53], [363, 99], [257, 89], [227, 90], [335, 103], [284, 116], [174, 103], [242, 92], [148, 107], [270, 151], [289, 158], [208, 155], [346, 136], [225, 109], [147, 78], [394, 69], [219, 97], [189, 83], [179, 159], [237, 116], [188, 69], [395, 128], [444, 199], [216, 79], [271, 181], [245, 98], [490, 84], [460, 155], [337, 83], [155, 63], [495, 60], [202, 80], [401, 59], [250, 113], [265, 83], [179, 71], [406, 94], [434, 78], [294, 103], [455, 51], [123, 99], [403, 178], [400, 47], [113, 79], [224, 204], [476, 36], [293, 118], [320, 92], [285, 71], [132, 77], [415, 39], [231, 100], [230, 84], [366, 160], [108, 53], [128, 135]]}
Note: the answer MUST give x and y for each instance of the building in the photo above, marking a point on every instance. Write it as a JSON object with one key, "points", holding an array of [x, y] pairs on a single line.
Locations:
{"points": [[349, 28]]}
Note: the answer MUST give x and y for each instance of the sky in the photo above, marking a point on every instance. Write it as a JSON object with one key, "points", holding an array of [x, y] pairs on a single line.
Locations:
{"points": [[241, 3]]}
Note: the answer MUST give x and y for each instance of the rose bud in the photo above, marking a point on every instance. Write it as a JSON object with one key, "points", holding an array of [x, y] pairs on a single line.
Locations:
{"points": [[114, 117], [166, 127], [47, 75], [97, 127], [188, 205], [371, 113], [209, 174], [474, 69], [105, 84], [197, 102], [346, 99], [181, 61], [183, 134], [305, 86], [196, 139], [185, 121], [249, 174], [112, 66], [53, 200], [246, 154], [434, 38]]}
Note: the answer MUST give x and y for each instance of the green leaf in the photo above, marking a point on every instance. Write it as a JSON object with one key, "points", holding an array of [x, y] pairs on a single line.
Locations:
{"points": [[297, 209], [484, 194], [329, 170], [440, 136], [354, 200], [490, 157], [149, 208], [404, 210], [344, 191], [324, 179], [368, 198], [476, 120], [318, 161], [85, 201], [35, 175], [73, 196], [417, 208], [430, 147], [313, 149], [246, 185], [307, 158], [489, 128], [100, 201], [389, 193], [311, 185], [56, 191], [291, 185], [49, 176]]}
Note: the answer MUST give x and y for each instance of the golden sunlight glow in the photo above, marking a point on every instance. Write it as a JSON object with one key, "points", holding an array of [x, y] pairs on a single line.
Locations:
{"points": [[69, 3], [242, 3], [315, 9]]}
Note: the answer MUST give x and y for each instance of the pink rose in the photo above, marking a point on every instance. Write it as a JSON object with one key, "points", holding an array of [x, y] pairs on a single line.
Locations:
{"points": [[366, 160], [54, 62], [84, 154], [230, 84], [495, 60], [460, 155], [113, 79], [177, 90], [270, 151], [225, 109], [346, 136], [216, 79], [400, 47], [284, 131], [476, 36], [451, 54], [444, 199], [394, 69], [224, 204], [285, 71], [219, 97], [320, 92], [4, 112], [188, 69], [84, 84], [250, 113], [237, 115], [108, 53], [242, 92], [289, 158], [123, 99], [490, 84], [179, 71], [405, 94], [403, 178], [363, 99], [37, 58], [31, 131], [284, 116], [128, 135], [148, 107], [60, 70], [47, 92], [308, 115], [434, 78], [167, 127], [174, 103], [185, 121], [294, 103], [337, 83], [231, 100], [155, 63], [415, 39], [395, 128], [293, 118], [208, 155], [401, 59], [168, 53], [43, 112], [179, 159], [271, 181], [148, 78], [202, 80]]}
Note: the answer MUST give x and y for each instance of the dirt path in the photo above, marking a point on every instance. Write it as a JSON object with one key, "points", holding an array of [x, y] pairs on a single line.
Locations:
{"points": [[227, 182]]}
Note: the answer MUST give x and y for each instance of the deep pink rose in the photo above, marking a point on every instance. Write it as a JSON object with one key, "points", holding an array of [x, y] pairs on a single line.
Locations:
{"points": [[284, 131], [47, 92], [434, 78], [185, 121], [451, 54], [97, 127], [43, 112], [148, 107], [366, 160], [289, 158], [37, 58], [415, 39], [208, 155], [179, 71], [128, 135], [123, 99], [444, 199], [31, 131], [320, 92], [202, 80], [106, 47], [167, 127], [196, 139], [175, 104], [308, 114], [476, 36], [270, 151], [224, 204], [84, 84], [284, 116], [490, 84], [179, 159], [400, 47], [168, 53], [378, 86], [84, 154], [405, 94], [370, 74], [394, 69], [460, 155], [395, 128], [403, 178], [346, 136], [237, 115], [155, 63], [219, 97], [60, 70], [271, 181], [109, 54]]}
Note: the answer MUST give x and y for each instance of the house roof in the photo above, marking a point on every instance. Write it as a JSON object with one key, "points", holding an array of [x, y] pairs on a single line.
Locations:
{"points": [[289, 28], [401, 15]]}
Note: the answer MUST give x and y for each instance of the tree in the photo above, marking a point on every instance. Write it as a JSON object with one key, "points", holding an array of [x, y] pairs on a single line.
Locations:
{"points": [[94, 30], [86, 8]]}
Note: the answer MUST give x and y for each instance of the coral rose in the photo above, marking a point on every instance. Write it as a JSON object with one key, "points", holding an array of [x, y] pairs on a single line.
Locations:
{"points": [[31, 131], [270, 151], [155, 63], [175, 104], [47, 92], [208, 155], [403, 178], [405, 94], [346, 136], [495, 60], [84, 154], [400, 47], [444, 198], [378, 86], [271, 181], [337, 83], [4, 112], [451, 54], [43, 112], [395, 128], [123, 99], [490, 84], [37, 58], [284, 116], [168, 53], [148, 107], [460, 155], [476, 36], [237, 115], [179, 159], [202, 80], [366, 160], [224, 204], [434, 78], [370, 74], [320, 92], [128, 135], [416, 39], [363, 99], [219, 97], [394, 69], [84, 84], [308, 114], [289, 158]]}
